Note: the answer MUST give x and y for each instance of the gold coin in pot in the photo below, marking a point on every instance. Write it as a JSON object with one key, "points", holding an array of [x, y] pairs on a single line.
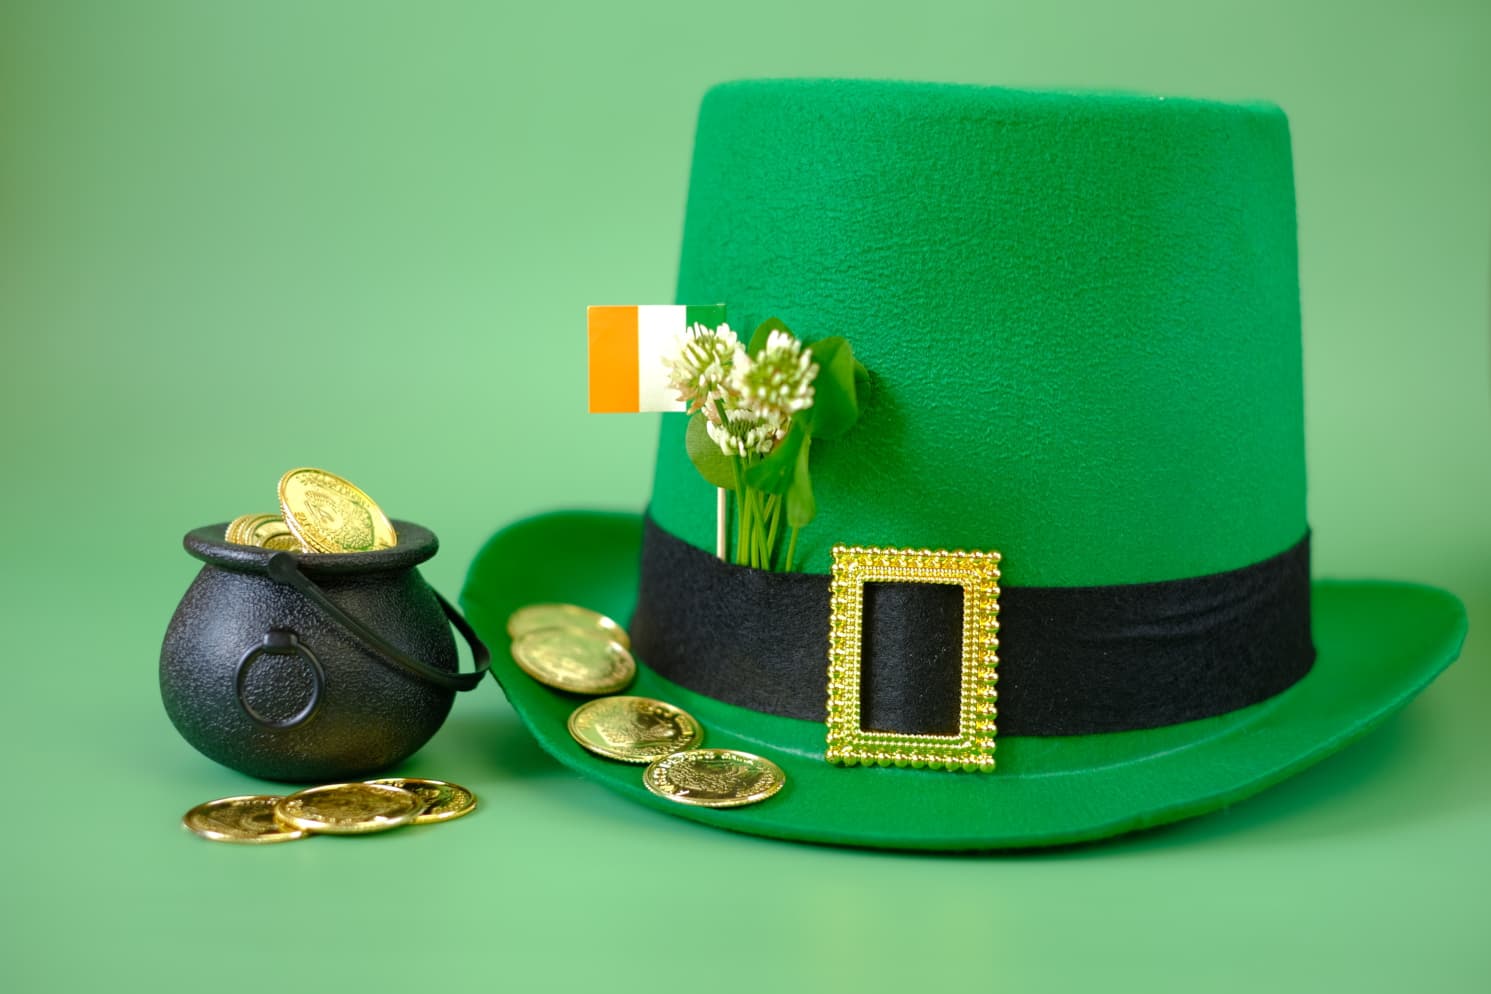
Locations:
{"points": [[241, 529], [330, 514]]}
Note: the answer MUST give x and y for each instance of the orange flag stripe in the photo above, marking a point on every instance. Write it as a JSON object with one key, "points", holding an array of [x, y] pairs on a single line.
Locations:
{"points": [[613, 360]]}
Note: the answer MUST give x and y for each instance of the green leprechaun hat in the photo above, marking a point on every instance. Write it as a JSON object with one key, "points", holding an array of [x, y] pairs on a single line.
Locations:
{"points": [[1079, 314]]}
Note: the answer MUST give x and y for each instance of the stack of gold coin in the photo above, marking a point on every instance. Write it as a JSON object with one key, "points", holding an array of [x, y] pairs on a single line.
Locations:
{"points": [[332, 809], [268, 531], [319, 512], [581, 651], [571, 648]]}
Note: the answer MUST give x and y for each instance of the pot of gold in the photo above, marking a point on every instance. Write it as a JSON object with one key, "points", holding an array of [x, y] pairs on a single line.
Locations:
{"points": [[309, 648]]}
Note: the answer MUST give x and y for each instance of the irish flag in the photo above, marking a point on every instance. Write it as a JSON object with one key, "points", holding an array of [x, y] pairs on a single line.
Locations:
{"points": [[627, 346]]}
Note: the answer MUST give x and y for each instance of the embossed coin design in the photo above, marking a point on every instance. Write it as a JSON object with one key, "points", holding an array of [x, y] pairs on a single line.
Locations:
{"points": [[634, 729], [349, 808], [245, 820], [535, 616], [442, 801], [577, 661], [714, 778], [329, 514]]}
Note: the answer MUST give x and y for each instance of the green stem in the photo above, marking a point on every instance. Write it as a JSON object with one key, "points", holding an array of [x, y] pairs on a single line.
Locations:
{"points": [[791, 550], [759, 536], [758, 530], [774, 511], [742, 509]]}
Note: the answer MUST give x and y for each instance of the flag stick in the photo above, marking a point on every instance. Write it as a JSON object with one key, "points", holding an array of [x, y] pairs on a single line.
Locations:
{"points": [[721, 527]]}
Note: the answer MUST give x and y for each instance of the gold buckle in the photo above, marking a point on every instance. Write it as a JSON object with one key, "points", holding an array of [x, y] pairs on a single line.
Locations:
{"points": [[972, 748]]}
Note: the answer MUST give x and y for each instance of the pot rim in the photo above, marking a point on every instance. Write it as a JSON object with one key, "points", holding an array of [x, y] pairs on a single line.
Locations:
{"points": [[416, 544]]}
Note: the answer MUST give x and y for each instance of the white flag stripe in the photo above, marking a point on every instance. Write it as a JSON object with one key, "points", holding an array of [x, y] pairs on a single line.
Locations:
{"points": [[658, 328]]}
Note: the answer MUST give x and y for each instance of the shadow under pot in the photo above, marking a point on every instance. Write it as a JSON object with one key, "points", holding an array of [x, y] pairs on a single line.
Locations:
{"points": [[312, 667]]}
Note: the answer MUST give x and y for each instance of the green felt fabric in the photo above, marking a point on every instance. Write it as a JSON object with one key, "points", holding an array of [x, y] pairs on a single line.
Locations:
{"points": [[1379, 644], [1080, 311]]}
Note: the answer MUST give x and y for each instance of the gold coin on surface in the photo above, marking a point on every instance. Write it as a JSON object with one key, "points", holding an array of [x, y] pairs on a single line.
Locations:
{"points": [[577, 661], [714, 778], [348, 808], [634, 729], [248, 819], [241, 529], [535, 616], [328, 514], [442, 801]]}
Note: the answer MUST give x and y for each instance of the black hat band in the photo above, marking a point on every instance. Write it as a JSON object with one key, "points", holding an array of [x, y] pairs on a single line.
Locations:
{"points": [[1072, 660]]}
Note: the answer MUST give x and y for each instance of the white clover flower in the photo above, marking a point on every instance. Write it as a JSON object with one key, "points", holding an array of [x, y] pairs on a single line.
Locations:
{"points": [[744, 433], [775, 384], [701, 369]]}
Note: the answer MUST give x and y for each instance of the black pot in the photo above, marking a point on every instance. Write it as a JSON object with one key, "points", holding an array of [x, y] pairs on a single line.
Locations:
{"points": [[311, 667]]}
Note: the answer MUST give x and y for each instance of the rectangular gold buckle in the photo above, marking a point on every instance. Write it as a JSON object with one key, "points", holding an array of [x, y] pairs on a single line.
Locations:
{"points": [[972, 748]]}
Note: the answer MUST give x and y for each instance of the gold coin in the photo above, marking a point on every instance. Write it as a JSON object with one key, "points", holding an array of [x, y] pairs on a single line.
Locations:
{"points": [[248, 819], [578, 661], [240, 529], [714, 778], [271, 532], [231, 533], [348, 808], [634, 729], [283, 543], [442, 801], [328, 514], [536, 616]]}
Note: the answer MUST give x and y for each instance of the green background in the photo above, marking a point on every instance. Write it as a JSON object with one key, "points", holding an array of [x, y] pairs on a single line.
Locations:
{"points": [[234, 239]]}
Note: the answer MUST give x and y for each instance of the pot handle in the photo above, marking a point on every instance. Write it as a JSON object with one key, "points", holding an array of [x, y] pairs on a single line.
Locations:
{"points": [[280, 642], [283, 568]]}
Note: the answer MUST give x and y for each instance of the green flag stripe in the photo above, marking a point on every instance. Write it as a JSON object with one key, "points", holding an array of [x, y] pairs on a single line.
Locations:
{"points": [[709, 315]]}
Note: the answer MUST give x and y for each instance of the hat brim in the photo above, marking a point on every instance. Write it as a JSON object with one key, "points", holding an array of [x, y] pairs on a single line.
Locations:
{"points": [[1379, 644]]}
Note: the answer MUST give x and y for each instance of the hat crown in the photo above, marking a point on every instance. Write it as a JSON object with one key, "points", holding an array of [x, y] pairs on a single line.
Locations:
{"points": [[1080, 313]]}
